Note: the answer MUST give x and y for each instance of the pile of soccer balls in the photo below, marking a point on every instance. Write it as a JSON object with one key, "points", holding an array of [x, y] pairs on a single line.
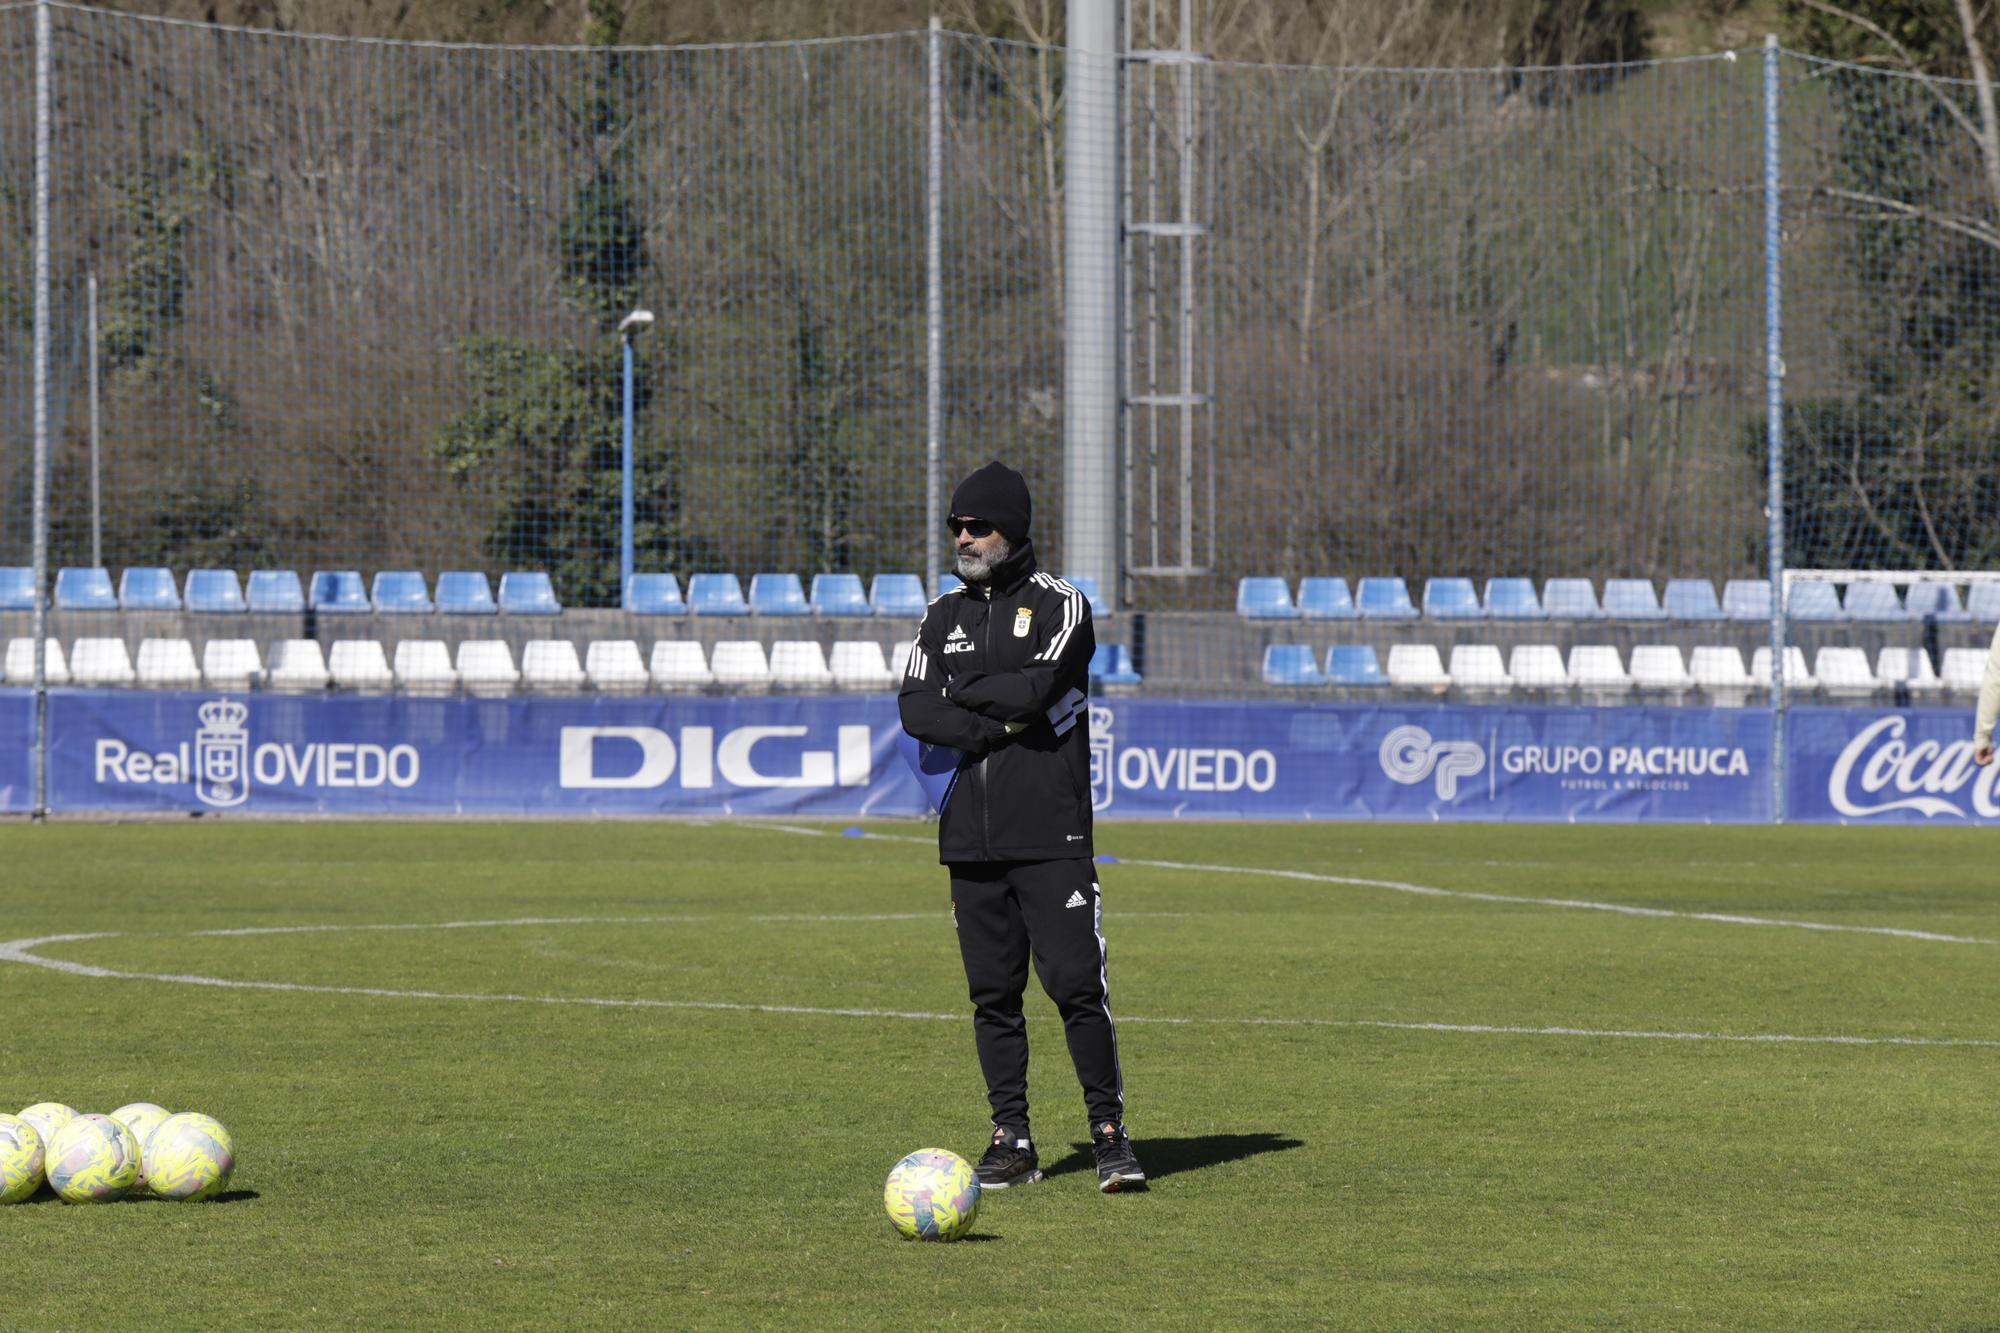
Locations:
{"points": [[97, 1158], [933, 1194]]}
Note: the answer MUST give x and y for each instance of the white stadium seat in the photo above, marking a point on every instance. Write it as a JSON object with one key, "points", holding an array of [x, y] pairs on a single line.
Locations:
{"points": [[1658, 668], [740, 665], [551, 665], [679, 664], [1717, 670], [1964, 669], [168, 664], [232, 664], [1537, 666], [296, 664], [1416, 666], [859, 665], [799, 664], [1596, 668], [1908, 667], [615, 667], [899, 658], [1843, 672], [1798, 676], [100, 662], [1478, 667], [423, 666], [486, 668], [21, 663], [359, 664]]}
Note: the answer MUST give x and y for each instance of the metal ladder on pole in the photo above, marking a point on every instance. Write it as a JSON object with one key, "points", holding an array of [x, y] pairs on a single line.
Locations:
{"points": [[1168, 416]]}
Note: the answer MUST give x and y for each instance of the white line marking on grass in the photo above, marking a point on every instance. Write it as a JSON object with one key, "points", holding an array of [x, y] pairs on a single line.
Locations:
{"points": [[23, 951], [1430, 891]]}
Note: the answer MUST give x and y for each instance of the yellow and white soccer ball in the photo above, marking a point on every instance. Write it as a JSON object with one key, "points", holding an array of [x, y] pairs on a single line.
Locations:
{"points": [[933, 1194], [20, 1159], [92, 1159], [47, 1118], [142, 1118], [189, 1156]]}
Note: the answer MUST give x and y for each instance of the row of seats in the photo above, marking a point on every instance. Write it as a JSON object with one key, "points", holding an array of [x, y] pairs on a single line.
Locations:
{"points": [[1600, 669], [487, 666], [1624, 599]]}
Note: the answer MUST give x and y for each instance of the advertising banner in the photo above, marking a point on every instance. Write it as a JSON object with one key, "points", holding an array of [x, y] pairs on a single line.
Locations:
{"points": [[17, 734], [1870, 766]]}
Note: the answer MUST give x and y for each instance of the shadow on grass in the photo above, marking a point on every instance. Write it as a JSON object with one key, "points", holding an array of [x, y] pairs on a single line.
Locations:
{"points": [[49, 1196], [1171, 1157]]}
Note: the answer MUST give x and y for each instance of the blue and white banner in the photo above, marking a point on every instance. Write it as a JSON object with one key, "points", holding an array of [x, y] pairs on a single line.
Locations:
{"points": [[118, 751]]}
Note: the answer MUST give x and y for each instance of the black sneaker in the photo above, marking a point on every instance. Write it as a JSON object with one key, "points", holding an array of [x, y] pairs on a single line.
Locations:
{"points": [[1011, 1160], [1117, 1165]]}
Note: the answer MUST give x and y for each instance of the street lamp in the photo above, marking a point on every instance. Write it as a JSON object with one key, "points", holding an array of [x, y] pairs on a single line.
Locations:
{"points": [[629, 327]]}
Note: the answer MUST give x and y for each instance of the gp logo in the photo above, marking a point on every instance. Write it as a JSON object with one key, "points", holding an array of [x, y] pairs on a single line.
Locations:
{"points": [[1409, 756]]}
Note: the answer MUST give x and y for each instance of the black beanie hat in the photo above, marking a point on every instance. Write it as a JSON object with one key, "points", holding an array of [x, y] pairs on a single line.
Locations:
{"points": [[998, 494]]}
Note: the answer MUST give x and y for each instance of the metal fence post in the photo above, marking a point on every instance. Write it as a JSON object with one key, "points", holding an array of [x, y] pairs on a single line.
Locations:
{"points": [[1774, 409], [43, 72], [933, 301]]}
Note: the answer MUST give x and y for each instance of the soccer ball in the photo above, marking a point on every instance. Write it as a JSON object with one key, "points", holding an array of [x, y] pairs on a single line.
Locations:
{"points": [[47, 1118], [142, 1118], [189, 1156], [20, 1159], [92, 1159], [932, 1195]]}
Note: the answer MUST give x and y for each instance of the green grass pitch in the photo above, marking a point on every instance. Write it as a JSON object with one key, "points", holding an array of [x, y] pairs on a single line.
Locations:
{"points": [[709, 1151]]}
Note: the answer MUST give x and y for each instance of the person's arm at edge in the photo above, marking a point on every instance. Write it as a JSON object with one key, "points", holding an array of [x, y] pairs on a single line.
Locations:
{"points": [[1989, 706]]}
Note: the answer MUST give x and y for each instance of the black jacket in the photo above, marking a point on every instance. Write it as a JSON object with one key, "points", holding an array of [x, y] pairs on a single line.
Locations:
{"points": [[1014, 651]]}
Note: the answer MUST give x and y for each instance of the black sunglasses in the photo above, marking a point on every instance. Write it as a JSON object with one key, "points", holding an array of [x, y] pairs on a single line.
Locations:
{"points": [[971, 527]]}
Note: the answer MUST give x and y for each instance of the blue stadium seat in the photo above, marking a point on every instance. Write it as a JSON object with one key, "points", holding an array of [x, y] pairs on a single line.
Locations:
{"points": [[716, 595], [1632, 599], [1354, 664], [1087, 585], [528, 593], [1982, 602], [1934, 601], [840, 595], [1814, 601], [897, 595], [1571, 599], [214, 592], [147, 588], [338, 592], [1291, 664], [1384, 598], [17, 588], [1452, 599], [1111, 664], [275, 592], [1874, 602], [1692, 599], [401, 592], [1265, 599], [655, 595], [1324, 598], [466, 592], [1747, 599], [80, 589], [947, 581], [778, 595], [1513, 599]]}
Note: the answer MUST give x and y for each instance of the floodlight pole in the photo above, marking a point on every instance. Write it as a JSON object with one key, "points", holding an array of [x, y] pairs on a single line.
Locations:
{"points": [[44, 37], [635, 323], [1774, 413]]}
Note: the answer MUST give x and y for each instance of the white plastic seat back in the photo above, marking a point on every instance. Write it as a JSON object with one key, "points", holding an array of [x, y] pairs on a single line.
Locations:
{"points": [[21, 663], [899, 658], [1798, 676], [232, 664], [486, 667], [1658, 666], [296, 664], [168, 664], [680, 664], [1537, 666], [1478, 666], [359, 664], [1908, 667], [550, 664], [740, 664], [614, 666], [1964, 669], [423, 666], [859, 665], [799, 664], [100, 662], [1843, 670], [1598, 667], [1416, 666]]}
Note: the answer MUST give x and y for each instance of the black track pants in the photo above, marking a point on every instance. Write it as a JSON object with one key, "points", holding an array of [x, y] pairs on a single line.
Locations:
{"points": [[1005, 910]]}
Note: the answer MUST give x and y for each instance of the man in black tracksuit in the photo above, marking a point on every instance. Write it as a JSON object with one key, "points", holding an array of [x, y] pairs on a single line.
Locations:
{"points": [[1000, 671]]}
